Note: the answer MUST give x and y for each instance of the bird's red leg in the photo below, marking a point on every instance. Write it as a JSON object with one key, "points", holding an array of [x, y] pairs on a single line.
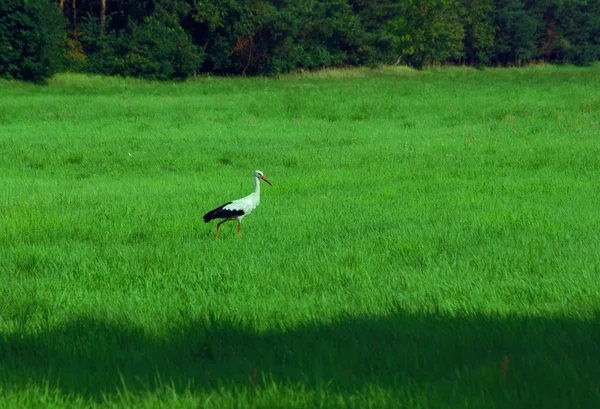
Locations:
{"points": [[219, 225], [239, 226]]}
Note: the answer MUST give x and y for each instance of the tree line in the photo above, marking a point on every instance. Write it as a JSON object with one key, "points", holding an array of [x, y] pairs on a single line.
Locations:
{"points": [[173, 39]]}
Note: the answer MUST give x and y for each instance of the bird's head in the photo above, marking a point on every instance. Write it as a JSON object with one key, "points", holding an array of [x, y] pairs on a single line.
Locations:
{"points": [[260, 175]]}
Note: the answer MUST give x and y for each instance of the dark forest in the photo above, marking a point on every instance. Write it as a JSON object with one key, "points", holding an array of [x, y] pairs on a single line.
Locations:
{"points": [[173, 39]]}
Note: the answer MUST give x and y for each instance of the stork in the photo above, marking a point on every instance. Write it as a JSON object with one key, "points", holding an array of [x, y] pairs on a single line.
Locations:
{"points": [[240, 208]]}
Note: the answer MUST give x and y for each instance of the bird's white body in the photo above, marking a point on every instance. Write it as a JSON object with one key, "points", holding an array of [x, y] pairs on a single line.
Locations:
{"points": [[240, 208], [246, 204]]}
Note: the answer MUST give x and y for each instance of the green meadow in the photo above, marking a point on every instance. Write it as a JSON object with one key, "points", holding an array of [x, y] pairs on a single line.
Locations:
{"points": [[431, 240]]}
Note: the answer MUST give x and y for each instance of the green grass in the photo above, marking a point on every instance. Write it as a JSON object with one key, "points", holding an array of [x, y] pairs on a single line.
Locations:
{"points": [[432, 240]]}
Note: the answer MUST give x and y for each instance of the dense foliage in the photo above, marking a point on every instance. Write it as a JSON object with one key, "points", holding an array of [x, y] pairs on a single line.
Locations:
{"points": [[152, 49], [162, 39], [30, 33]]}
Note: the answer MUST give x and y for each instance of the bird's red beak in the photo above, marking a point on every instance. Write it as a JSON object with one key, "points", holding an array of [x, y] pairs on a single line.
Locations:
{"points": [[266, 180]]}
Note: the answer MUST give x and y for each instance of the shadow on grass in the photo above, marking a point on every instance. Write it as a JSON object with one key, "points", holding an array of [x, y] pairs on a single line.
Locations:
{"points": [[532, 361]]}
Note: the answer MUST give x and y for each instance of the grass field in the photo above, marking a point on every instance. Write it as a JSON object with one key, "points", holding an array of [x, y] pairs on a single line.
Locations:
{"points": [[431, 240]]}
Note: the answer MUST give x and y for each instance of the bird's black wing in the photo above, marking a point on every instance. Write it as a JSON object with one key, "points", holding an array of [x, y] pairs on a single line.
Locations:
{"points": [[221, 213]]}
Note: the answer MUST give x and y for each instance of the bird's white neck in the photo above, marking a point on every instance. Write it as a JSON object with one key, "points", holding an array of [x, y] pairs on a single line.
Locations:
{"points": [[256, 187]]}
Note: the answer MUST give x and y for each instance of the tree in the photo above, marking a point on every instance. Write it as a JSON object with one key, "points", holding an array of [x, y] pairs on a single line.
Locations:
{"points": [[476, 18], [427, 31], [170, 38], [154, 49], [269, 37], [311, 35], [519, 27], [30, 37], [578, 22], [376, 44], [215, 25], [102, 13]]}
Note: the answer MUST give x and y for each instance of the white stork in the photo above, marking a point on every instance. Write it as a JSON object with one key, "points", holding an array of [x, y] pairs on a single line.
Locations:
{"points": [[238, 209]]}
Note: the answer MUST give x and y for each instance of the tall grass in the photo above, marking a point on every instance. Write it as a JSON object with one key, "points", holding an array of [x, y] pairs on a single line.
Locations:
{"points": [[431, 240]]}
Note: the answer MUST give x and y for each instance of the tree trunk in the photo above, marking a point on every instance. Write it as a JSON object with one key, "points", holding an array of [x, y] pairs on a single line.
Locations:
{"points": [[102, 13], [61, 6], [74, 13]]}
